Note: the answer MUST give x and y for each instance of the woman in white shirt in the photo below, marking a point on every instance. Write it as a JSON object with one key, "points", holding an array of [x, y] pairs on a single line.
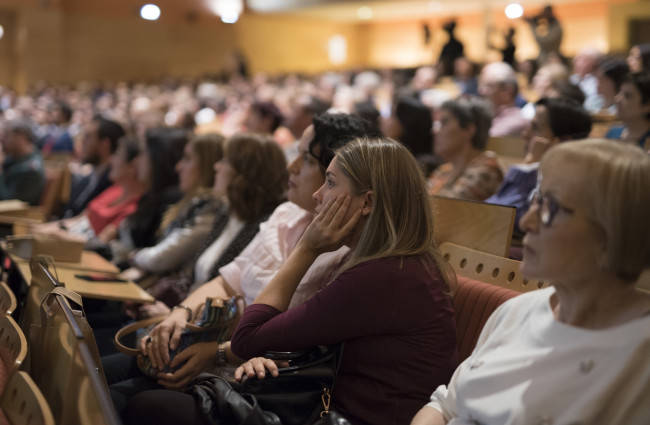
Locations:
{"points": [[577, 352]]}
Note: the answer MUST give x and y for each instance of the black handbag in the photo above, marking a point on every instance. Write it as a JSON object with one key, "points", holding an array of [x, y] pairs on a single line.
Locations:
{"points": [[332, 418], [298, 396]]}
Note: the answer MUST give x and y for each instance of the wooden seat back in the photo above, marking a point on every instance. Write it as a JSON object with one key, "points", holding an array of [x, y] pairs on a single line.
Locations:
{"points": [[8, 302], [493, 269], [508, 146], [22, 403], [13, 348], [67, 369], [478, 225]]}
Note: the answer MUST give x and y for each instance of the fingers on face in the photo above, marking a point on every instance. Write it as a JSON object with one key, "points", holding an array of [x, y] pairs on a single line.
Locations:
{"points": [[335, 208]]}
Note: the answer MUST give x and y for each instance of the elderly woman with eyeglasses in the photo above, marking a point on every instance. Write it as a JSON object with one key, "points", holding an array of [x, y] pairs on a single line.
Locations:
{"points": [[577, 352]]}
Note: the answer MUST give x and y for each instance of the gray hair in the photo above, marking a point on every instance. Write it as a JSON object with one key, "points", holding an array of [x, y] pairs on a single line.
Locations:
{"points": [[474, 111]]}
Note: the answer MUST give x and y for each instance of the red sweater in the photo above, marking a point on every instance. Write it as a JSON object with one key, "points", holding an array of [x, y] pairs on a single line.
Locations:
{"points": [[103, 210], [399, 332]]}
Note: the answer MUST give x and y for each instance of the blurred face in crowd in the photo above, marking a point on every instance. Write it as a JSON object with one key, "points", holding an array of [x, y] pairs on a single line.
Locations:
{"points": [[144, 164], [634, 60], [188, 169], [9, 141], [606, 87], [451, 138], [539, 125], [305, 175], [391, 127], [224, 173], [628, 102], [121, 169], [90, 144]]}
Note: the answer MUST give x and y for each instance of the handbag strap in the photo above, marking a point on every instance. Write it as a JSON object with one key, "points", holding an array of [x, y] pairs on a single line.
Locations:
{"points": [[67, 295], [131, 328], [140, 324]]}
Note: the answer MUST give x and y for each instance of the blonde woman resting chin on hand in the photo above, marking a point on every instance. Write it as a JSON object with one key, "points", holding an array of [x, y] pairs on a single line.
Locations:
{"points": [[388, 302], [252, 270]]}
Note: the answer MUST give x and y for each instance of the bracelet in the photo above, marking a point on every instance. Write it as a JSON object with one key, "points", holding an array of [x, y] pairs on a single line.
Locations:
{"points": [[189, 310], [221, 355]]}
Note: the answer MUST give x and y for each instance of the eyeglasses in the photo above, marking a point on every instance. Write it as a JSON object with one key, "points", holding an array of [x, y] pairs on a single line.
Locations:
{"points": [[547, 207]]}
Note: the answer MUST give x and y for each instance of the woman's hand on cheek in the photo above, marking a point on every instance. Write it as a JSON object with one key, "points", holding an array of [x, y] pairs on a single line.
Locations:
{"points": [[329, 229]]}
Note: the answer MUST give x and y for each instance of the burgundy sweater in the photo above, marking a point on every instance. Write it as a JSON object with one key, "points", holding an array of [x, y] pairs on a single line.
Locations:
{"points": [[399, 332]]}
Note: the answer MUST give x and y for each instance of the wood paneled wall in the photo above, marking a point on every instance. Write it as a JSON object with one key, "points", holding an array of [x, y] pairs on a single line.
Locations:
{"points": [[72, 40]]}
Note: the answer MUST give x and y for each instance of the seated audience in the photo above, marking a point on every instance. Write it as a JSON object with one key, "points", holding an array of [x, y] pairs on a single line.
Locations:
{"points": [[98, 144], [556, 120], [639, 58], [185, 225], [633, 104], [546, 79], [303, 112], [411, 123], [585, 66], [263, 117], [301, 115], [465, 76], [374, 200], [251, 271], [470, 172], [611, 75], [251, 179], [499, 85], [22, 175], [56, 138], [576, 352], [160, 151], [105, 213]]}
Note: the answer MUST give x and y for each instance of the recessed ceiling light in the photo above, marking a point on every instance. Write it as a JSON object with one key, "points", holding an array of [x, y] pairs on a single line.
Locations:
{"points": [[514, 11], [364, 13], [150, 12]]}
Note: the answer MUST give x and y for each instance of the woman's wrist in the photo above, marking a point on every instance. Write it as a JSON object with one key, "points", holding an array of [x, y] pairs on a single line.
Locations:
{"points": [[186, 309]]}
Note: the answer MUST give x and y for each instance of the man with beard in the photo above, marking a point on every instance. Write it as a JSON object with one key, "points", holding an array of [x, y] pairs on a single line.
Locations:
{"points": [[98, 145]]}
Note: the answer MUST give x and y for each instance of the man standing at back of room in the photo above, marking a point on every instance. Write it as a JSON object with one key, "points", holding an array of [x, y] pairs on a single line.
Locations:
{"points": [[98, 145], [22, 175]]}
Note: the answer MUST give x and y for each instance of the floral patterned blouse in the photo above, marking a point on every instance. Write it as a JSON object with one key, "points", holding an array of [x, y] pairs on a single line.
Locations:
{"points": [[477, 181]]}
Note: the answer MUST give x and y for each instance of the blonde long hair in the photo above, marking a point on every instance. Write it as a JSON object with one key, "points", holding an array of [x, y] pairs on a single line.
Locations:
{"points": [[401, 221]]}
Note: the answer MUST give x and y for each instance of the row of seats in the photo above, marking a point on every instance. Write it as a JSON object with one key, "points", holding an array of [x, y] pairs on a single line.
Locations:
{"points": [[61, 372], [21, 401], [67, 374], [71, 380]]}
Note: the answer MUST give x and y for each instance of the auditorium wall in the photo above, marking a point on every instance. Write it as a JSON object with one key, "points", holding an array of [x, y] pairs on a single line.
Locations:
{"points": [[72, 40]]}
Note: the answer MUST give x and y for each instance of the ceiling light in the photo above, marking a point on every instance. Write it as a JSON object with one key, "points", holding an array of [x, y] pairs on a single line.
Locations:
{"points": [[364, 13], [228, 10], [2, 31], [435, 6], [514, 11], [150, 12]]}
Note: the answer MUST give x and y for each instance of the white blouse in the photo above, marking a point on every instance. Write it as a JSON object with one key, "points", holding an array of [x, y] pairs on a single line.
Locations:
{"points": [[529, 368], [256, 265]]}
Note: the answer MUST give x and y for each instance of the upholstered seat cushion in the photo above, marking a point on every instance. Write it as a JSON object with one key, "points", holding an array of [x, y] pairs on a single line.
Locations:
{"points": [[474, 302]]}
